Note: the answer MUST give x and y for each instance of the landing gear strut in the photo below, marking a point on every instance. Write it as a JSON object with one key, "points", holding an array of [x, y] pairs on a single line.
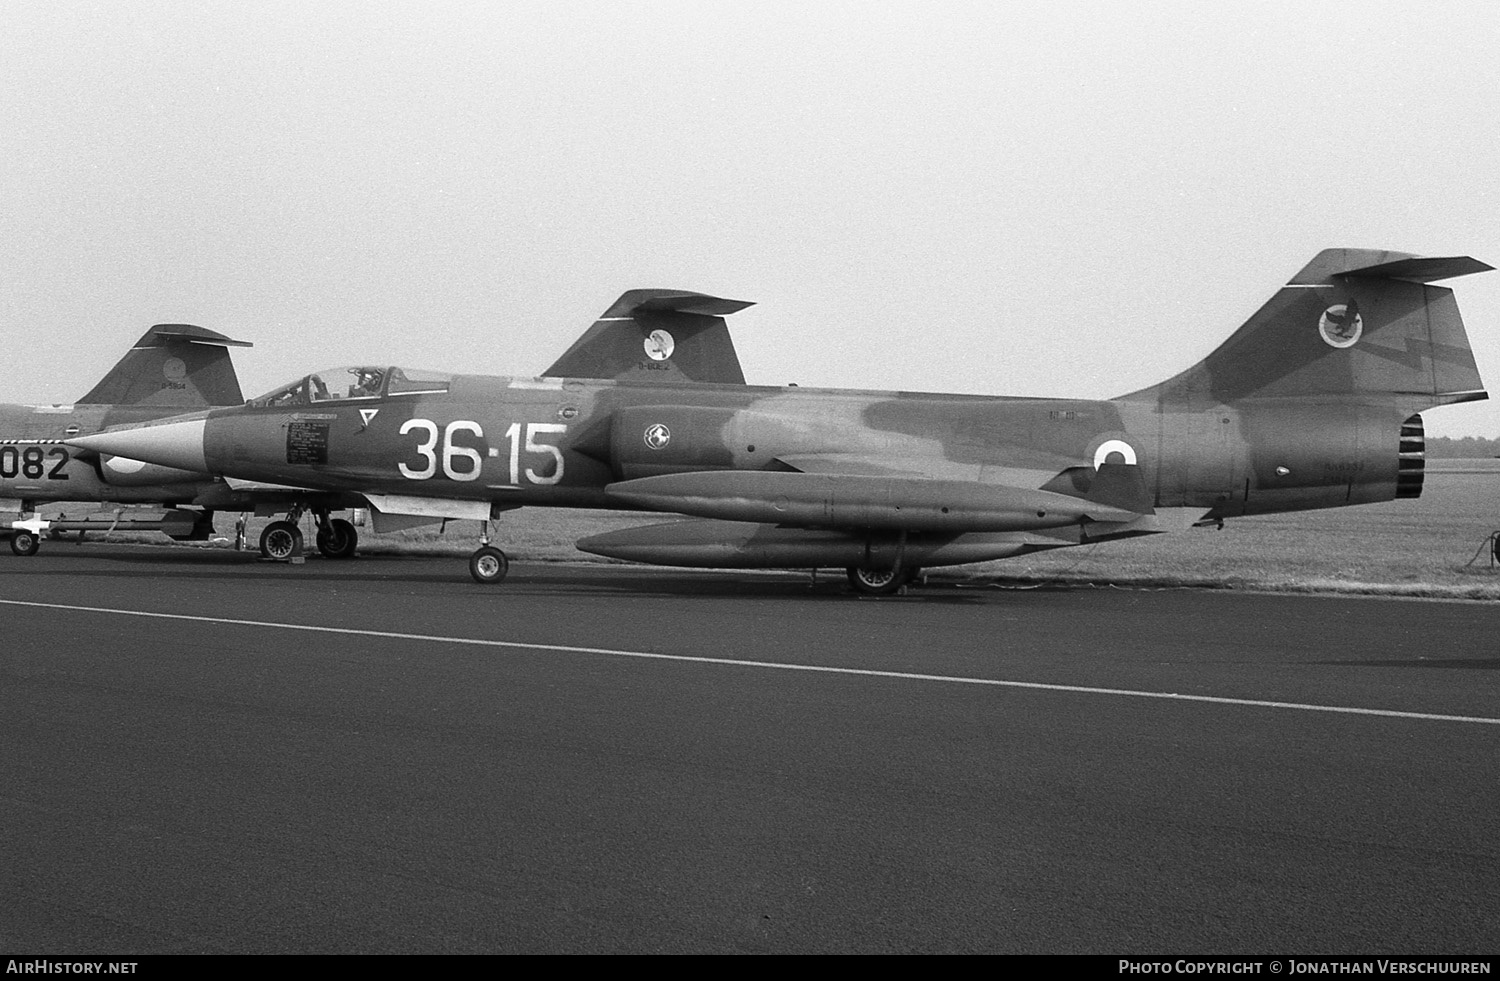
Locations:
{"points": [[488, 565], [281, 540], [877, 579], [337, 538], [880, 582]]}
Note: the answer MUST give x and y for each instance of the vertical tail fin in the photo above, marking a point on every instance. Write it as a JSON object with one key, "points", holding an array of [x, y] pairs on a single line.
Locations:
{"points": [[175, 365], [658, 335], [1353, 322]]}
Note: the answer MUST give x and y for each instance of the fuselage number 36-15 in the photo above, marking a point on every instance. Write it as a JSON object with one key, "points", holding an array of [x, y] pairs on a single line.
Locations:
{"points": [[438, 449]]}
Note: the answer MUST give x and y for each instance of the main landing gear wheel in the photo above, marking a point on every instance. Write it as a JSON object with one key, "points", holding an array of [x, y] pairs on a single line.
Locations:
{"points": [[879, 582], [488, 564], [338, 539], [25, 543], [280, 541]]}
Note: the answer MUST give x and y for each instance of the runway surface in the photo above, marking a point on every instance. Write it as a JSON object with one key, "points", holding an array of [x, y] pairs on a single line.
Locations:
{"points": [[437, 766]]}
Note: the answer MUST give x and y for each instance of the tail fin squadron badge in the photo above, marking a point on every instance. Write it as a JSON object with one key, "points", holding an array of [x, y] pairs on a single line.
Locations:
{"points": [[659, 345], [1341, 324]]}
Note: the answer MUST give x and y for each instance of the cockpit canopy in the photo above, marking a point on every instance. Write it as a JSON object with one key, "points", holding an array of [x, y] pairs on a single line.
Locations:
{"points": [[362, 382]]}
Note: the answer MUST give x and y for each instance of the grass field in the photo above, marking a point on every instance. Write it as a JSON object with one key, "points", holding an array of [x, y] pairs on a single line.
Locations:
{"points": [[1423, 547], [1420, 547]]}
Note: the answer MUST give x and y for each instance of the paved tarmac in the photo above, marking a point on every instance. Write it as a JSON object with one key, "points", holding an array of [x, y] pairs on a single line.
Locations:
{"points": [[618, 759]]}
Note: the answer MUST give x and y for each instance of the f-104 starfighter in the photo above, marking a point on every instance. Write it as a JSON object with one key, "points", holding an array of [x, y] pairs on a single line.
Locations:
{"points": [[1312, 403]]}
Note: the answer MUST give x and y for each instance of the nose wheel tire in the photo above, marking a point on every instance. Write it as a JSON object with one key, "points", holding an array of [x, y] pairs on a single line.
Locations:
{"points": [[280, 541], [339, 540], [488, 565], [879, 582], [25, 543]]}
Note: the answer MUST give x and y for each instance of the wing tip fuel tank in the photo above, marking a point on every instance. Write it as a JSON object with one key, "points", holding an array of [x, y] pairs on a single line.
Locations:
{"points": [[713, 544]]}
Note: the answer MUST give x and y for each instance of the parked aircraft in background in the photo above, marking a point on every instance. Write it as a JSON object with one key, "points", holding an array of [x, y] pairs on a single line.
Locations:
{"points": [[171, 369], [1312, 403]]}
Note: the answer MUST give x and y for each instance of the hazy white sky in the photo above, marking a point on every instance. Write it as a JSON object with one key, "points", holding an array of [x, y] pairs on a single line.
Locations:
{"points": [[1070, 199]]}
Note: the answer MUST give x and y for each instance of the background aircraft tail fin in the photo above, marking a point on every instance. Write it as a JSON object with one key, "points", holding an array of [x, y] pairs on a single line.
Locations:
{"points": [[1353, 322], [176, 365], [658, 335]]}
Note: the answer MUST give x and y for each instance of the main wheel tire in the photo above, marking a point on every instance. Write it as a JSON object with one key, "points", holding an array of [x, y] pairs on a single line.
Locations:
{"points": [[280, 541], [25, 543], [875, 582], [488, 565], [339, 540]]}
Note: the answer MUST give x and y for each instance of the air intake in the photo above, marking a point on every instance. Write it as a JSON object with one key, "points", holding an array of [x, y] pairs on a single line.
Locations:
{"points": [[1412, 458]]}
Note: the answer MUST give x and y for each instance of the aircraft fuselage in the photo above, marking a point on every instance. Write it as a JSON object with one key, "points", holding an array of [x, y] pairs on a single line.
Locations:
{"points": [[525, 441]]}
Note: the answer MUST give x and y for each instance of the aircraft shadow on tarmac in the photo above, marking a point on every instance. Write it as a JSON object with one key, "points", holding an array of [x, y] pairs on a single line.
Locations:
{"points": [[104, 561]]}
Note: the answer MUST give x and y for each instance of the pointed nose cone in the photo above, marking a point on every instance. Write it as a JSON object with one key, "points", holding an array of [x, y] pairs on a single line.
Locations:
{"points": [[170, 444]]}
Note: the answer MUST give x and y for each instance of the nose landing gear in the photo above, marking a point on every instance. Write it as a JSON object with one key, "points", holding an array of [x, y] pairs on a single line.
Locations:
{"points": [[488, 565]]}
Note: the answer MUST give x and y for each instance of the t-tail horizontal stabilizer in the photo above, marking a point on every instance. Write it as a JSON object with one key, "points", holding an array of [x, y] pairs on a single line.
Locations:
{"points": [[658, 335], [1356, 325], [176, 365]]}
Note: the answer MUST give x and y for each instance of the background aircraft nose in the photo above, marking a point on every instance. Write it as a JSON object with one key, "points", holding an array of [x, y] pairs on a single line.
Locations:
{"points": [[168, 444]]}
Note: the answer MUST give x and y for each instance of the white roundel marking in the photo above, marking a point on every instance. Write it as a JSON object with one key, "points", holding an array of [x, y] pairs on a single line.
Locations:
{"points": [[657, 437], [1114, 451], [1341, 326], [659, 345], [174, 369], [121, 464]]}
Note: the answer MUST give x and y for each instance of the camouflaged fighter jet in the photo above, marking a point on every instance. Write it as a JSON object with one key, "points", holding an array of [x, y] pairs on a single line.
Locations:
{"points": [[1312, 403], [171, 369]]}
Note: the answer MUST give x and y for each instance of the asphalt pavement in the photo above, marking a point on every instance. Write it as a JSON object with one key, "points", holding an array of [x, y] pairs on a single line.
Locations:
{"points": [[208, 753]]}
